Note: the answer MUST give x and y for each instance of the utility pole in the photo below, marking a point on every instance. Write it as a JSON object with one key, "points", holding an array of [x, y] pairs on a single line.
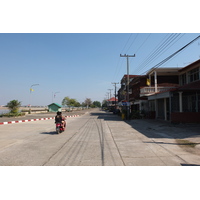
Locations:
{"points": [[110, 94], [115, 93], [127, 58], [107, 98]]}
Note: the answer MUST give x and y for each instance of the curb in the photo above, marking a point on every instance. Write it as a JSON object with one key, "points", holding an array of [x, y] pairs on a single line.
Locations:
{"points": [[31, 120]]}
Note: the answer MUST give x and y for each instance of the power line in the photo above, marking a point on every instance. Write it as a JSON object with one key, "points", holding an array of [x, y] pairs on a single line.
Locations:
{"points": [[158, 51], [175, 53], [127, 41], [132, 42], [117, 71], [142, 44]]}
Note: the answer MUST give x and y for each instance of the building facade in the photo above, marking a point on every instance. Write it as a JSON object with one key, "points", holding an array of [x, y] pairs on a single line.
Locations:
{"points": [[185, 100], [165, 93]]}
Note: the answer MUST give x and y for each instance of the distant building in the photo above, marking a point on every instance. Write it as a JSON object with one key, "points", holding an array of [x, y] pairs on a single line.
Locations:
{"points": [[54, 107]]}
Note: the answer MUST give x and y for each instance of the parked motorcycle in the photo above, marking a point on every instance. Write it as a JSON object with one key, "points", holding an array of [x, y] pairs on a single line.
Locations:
{"points": [[59, 128]]}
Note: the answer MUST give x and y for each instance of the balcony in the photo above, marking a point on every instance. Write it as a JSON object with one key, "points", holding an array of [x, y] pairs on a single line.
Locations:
{"points": [[146, 91]]}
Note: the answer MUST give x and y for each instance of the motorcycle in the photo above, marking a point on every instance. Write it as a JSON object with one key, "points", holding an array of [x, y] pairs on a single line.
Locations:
{"points": [[59, 128]]}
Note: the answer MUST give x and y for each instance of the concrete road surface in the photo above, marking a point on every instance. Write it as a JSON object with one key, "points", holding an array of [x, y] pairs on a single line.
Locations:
{"points": [[94, 139]]}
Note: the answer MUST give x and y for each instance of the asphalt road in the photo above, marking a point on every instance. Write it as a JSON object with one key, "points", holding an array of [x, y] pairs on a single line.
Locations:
{"points": [[37, 144], [96, 138]]}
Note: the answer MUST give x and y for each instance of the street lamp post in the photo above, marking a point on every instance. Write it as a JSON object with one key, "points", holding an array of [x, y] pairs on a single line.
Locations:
{"points": [[54, 95], [31, 90]]}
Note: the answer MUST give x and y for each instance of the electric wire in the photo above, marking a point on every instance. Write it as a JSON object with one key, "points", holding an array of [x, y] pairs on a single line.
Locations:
{"points": [[163, 50], [119, 66], [141, 45], [116, 69], [151, 54], [171, 39], [175, 53], [132, 42]]}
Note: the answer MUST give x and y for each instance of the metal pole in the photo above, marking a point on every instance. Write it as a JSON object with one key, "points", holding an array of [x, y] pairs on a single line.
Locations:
{"points": [[128, 107], [30, 96], [127, 79], [54, 95], [110, 94]]}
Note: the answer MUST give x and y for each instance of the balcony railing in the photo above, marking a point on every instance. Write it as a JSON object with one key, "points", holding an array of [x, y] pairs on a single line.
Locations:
{"points": [[146, 91]]}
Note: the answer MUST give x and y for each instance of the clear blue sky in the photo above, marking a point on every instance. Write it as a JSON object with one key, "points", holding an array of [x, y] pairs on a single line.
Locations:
{"points": [[79, 65], [84, 65], [74, 47]]}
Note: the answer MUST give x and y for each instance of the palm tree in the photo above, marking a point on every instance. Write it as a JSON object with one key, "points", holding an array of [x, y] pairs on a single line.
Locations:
{"points": [[14, 106]]}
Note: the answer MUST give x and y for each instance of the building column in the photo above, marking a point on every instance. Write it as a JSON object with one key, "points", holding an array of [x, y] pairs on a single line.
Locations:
{"points": [[155, 80], [197, 102], [156, 108], [165, 108], [180, 102]]}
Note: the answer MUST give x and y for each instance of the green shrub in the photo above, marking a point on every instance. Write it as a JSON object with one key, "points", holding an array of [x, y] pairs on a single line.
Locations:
{"points": [[11, 114]]}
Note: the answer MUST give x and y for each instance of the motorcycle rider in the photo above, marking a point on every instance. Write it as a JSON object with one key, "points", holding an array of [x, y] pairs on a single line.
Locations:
{"points": [[60, 119]]}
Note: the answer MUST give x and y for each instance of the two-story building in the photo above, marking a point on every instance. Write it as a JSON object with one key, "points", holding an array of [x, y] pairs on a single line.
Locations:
{"points": [[185, 100], [165, 93], [122, 92], [179, 103], [137, 102], [141, 87]]}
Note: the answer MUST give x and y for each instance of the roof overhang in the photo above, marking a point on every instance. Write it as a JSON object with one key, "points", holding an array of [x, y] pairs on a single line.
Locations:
{"points": [[159, 96], [164, 71]]}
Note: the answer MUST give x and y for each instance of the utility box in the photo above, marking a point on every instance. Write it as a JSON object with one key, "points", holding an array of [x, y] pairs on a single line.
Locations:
{"points": [[54, 107]]}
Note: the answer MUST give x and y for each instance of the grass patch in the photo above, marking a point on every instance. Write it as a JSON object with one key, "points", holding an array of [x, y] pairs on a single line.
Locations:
{"points": [[12, 114], [186, 143]]}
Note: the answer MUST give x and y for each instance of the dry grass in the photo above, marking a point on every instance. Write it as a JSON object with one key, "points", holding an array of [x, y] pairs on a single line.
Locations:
{"points": [[186, 143]]}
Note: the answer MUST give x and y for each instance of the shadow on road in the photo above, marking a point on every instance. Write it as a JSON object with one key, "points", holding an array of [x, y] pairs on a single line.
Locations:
{"points": [[50, 133], [185, 144], [156, 128], [107, 116], [189, 164], [182, 133]]}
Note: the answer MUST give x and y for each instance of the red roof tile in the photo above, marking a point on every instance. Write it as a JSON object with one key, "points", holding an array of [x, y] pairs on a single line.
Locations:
{"points": [[112, 99]]}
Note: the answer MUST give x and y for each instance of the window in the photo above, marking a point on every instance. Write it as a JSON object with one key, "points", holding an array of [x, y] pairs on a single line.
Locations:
{"points": [[193, 75], [183, 79], [192, 103]]}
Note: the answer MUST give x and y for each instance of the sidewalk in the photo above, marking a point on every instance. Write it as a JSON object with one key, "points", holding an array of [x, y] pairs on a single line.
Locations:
{"points": [[165, 128], [156, 143]]}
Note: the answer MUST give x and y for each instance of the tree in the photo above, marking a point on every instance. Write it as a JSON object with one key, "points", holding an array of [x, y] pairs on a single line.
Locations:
{"points": [[88, 102], [104, 103], [66, 101], [70, 102], [77, 104], [97, 104], [14, 106]]}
